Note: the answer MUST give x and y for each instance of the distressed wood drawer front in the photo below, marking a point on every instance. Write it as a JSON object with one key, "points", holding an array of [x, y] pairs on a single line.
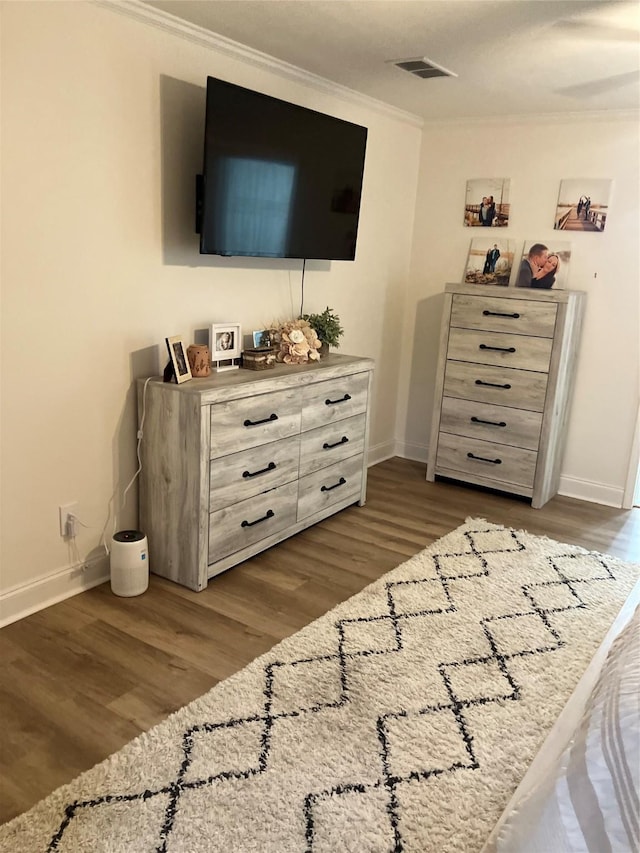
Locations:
{"points": [[249, 521], [504, 386], [328, 444], [333, 400], [494, 314], [240, 424], [497, 462], [516, 427], [330, 486], [500, 348], [241, 475]]}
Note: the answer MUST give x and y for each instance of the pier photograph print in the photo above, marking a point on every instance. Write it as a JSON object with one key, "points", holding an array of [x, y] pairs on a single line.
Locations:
{"points": [[583, 204]]}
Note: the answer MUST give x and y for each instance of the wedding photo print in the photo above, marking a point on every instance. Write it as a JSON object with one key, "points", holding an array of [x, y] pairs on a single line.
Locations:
{"points": [[490, 261], [583, 204], [544, 265], [487, 203]]}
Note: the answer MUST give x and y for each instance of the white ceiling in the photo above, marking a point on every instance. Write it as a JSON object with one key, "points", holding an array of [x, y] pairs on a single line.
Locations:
{"points": [[512, 57]]}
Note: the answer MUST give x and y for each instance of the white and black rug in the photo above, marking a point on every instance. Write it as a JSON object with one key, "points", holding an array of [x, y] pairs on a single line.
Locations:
{"points": [[402, 720]]}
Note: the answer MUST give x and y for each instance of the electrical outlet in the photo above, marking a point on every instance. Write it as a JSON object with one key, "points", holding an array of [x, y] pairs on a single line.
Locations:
{"points": [[65, 511]]}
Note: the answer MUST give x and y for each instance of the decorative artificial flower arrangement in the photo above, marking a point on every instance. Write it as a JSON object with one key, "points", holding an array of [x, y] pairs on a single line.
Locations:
{"points": [[296, 342]]}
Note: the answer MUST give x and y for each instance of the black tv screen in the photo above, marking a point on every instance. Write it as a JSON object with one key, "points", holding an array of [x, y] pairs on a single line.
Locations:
{"points": [[279, 180]]}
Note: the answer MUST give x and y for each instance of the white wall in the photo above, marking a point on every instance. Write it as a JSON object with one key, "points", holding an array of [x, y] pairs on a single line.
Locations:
{"points": [[536, 156], [102, 128]]}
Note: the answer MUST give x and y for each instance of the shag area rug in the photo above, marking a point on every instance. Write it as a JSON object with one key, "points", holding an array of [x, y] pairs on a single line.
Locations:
{"points": [[402, 720]]}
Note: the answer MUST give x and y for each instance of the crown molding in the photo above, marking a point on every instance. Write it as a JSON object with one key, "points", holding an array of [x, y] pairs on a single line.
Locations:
{"points": [[537, 118], [204, 38]]}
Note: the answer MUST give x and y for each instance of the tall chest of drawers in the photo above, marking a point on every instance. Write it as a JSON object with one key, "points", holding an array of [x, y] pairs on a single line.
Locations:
{"points": [[505, 374], [239, 461]]}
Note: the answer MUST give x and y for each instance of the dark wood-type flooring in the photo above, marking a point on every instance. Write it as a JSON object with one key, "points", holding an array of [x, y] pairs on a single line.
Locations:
{"points": [[83, 677]]}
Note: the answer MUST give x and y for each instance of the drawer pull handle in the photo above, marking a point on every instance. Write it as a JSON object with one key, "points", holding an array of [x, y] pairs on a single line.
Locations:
{"points": [[340, 482], [475, 420], [270, 514], [341, 400], [497, 349], [493, 384], [327, 446], [272, 417], [499, 314], [270, 467], [482, 459]]}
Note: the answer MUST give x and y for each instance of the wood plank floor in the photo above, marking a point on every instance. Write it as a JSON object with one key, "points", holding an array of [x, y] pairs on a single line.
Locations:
{"points": [[83, 677]]}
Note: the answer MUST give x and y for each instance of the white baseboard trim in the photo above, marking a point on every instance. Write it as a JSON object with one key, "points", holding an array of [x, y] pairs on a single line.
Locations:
{"points": [[24, 599], [409, 450], [381, 452], [597, 493]]}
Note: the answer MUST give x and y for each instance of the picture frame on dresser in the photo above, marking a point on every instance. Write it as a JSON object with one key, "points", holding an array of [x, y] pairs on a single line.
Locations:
{"points": [[261, 338], [490, 261], [225, 341], [178, 368], [554, 272], [225, 344]]}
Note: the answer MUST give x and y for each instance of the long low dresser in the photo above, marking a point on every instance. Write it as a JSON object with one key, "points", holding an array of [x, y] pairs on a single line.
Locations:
{"points": [[240, 460], [503, 387]]}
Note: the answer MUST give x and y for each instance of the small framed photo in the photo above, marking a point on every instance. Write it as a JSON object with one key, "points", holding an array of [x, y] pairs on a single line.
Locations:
{"points": [[178, 358], [261, 339], [225, 341]]}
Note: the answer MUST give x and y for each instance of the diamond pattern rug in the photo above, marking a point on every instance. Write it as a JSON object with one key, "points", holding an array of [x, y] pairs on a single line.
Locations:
{"points": [[402, 720]]}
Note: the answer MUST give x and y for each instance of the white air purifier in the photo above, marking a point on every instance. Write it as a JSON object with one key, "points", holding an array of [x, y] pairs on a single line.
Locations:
{"points": [[129, 563]]}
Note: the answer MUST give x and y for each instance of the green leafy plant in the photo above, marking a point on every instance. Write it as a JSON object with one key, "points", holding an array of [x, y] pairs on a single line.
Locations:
{"points": [[327, 326]]}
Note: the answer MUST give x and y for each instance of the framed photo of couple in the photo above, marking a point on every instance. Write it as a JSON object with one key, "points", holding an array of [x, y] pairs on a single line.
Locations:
{"points": [[490, 261], [541, 264], [544, 265]]}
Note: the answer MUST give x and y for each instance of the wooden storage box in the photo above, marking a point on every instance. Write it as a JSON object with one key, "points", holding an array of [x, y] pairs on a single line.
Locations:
{"points": [[261, 358]]}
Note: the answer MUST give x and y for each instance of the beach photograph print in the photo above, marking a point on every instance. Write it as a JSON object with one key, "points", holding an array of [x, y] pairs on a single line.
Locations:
{"points": [[487, 203], [583, 204], [544, 264], [490, 261]]}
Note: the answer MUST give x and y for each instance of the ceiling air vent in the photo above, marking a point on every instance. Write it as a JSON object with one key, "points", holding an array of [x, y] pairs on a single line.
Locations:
{"points": [[423, 67]]}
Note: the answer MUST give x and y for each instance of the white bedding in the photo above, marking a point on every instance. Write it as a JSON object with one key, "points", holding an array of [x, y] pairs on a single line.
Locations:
{"points": [[581, 793]]}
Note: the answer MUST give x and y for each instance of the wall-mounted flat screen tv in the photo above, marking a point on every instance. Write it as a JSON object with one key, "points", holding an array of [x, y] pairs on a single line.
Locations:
{"points": [[279, 180]]}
